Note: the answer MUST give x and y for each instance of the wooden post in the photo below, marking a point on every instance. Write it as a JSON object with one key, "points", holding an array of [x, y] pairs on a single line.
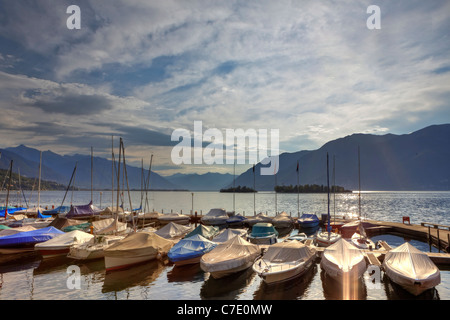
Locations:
{"points": [[429, 237], [196, 219], [439, 240]]}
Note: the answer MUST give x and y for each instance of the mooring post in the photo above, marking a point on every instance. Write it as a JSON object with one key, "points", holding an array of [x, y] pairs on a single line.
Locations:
{"points": [[196, 219], [429, 237], [439, 240]]}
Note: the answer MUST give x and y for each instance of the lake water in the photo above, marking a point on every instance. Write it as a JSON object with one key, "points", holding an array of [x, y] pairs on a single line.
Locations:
{"points": [[31, 278]]}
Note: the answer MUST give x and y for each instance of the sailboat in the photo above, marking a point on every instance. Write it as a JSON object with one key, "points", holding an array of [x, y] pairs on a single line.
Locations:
{"points": [[327, 238]]}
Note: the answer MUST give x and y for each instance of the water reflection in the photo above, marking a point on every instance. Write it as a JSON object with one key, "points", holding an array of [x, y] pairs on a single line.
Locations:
{"points": [[334, 290], [186, 273], [139, 275], [396, 292], [286, 290], [228, 287]]}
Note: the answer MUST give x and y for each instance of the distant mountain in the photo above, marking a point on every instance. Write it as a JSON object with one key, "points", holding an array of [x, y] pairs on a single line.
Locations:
{"points": [[59, 169], [201, 182], [415, 161]]}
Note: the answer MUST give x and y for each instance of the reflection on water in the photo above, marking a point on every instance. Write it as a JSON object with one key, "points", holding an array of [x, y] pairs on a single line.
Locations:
{"points": [[335, 290], [228, 287]]}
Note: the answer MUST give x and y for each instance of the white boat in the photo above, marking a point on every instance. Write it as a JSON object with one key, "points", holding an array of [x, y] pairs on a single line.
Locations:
{"points": [[325, 238], [260, 217], [93, 249], [283, 220], [230, 257], [228, 233], [61, 244], [343, 262], [174, 217], [215, 217], [263, 233], [411, 269], [174, 231], [361, 240], [284, 261], [136, 248]]}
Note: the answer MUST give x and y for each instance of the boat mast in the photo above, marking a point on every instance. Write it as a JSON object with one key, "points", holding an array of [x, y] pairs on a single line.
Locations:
{"points": [[298, 193], [328, 191], [92, 174], [39, 183], [334, 188], [359, 187], [9, 185]]}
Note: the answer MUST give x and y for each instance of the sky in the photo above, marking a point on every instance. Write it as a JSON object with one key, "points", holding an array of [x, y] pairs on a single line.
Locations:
{"points": [[141, 69]]}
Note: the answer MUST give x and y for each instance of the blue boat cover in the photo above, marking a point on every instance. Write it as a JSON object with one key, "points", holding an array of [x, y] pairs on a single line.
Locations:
{"points": [[29, 237], [308, 219], [60, 209], [10, 210], [190, 247], [43, 216], [87, 210]]}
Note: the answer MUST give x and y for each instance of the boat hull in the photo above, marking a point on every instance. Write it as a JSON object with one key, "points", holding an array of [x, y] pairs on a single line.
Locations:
{"points": [[263, 240], [414, 286], [53, 251], [282, 273], [322, 239], [117, 263]]}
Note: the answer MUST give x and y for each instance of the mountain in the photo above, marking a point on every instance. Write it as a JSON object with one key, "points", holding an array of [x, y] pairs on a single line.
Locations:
{"points": [[59, 169], [210, 181], [415, 161]]}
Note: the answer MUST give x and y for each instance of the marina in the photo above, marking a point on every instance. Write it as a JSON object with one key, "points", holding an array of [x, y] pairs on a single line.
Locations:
{"points": [[32, 277]]}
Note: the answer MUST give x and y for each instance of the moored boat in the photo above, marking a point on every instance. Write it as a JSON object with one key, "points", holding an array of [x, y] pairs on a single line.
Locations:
{"points": [[60, 245], [230, 257], [25, 241], [283, 220], [284, 261], [174, 217], [411, 269], [260, 217], [190, 250], [308, 220], [215, 217], [263, 233]]}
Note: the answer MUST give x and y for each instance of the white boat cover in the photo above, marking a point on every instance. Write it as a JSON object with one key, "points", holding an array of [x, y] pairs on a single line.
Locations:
{"points": [[66, 240], [282, 219], [109, 210], [108, 226], [7, 232], [173, 230], [227, 234], [342, 256], [29, 211], [173, 216], [232, 254], [215, 215], [407, 262], [139, 244], [288, 251], [260, 217]]}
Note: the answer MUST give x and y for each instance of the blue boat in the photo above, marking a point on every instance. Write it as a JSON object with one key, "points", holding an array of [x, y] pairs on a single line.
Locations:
{"points": [[60, 209], [190, 250], [236, 221], [308, 221], [263, 233], [27, 239]]}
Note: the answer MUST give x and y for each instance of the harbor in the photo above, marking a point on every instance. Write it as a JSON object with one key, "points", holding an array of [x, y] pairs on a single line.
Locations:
{"points": [[161, 279]]}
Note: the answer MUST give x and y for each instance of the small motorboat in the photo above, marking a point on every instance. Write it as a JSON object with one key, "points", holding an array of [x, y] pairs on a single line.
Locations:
{"points": [[173, 231], [284, 261], [190, 250], [26, 240], [263, 233], [61, 244], [236, 221], [411, 269], [307, 221], [207, 232], [343, 262], [283, 220], [260, 217], [325, 238], [174, 217], [215, 217], [228, 233], [230, 257]]}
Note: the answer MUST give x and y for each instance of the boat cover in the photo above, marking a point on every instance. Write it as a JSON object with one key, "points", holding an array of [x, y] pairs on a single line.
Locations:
{"points": [[408, 261], [260, 217], [60, 223], [82, 226], [87, 210], [173, 216], [263, 229], [29, 237], [28, 211], [139, 244], [207, 232], [66, 239], [11, 210], [190, 247], [308, 218], [108, 226], [287, 251], [60, 209], [229, 255], [227, 234], [236, 219], [173, 230], [43, 216], [219, 215], [342, 255]]}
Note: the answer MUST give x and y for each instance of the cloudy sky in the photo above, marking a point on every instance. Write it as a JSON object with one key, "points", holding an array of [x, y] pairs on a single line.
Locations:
{"points": [[141, 69]]}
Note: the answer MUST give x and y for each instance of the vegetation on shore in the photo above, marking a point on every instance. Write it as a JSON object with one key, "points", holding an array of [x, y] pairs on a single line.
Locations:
{"points": [[307, 188], [238, 189], [27, 183]]}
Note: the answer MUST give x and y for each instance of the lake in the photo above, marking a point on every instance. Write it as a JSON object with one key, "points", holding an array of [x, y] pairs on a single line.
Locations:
{"points": [[31, 278]]}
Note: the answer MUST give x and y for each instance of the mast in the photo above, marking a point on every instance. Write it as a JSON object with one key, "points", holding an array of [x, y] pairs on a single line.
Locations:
{"points": [[328, 191], [39, 183], [334, 188], [254, 191], [112, 172], [9, 185], [359, 186], [298, 192], [92, 175]]}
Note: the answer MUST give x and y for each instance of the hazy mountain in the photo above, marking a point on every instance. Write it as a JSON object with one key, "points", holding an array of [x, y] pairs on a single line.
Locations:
{"points": [[197, 182], [415, 161], [59, 169]]}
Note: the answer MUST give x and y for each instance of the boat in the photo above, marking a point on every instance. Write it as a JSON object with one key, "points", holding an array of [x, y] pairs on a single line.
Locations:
{"points": [[361, 240], [86, 211], [94, 248], [173, 231], [228, 233], [283, 220], [230, 257], [411, 268], [343, 262], [136, 248], [260, 217], [110, 226], [236, 221], [263, 233], [57, 210], [174, 217], [299, 236], [215, 217], [207, 232], [61, 244], [284, 261], [26, 240], [6, 231], [189, 250], [308, 220], [327, 237]]}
